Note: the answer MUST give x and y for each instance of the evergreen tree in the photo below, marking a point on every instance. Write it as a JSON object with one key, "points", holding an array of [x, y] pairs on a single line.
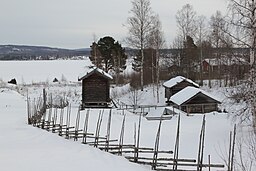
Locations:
{"points": [[136, 65], [106, 48], [148, 65], [109, 55], [189, 58], [95, 55], [119, 60]]}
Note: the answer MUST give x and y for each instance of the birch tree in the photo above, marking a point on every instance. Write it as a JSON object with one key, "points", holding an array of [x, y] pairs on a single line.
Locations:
{"points": [[186, 21], [243, 22], [217, 36], [201, 34], [139, 26], [157, 42], [95, 55]]}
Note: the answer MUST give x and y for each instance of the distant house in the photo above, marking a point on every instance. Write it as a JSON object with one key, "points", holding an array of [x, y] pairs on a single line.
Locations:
{"points": [[95, 88], [176, 84], [195, 100], [236, 65]]}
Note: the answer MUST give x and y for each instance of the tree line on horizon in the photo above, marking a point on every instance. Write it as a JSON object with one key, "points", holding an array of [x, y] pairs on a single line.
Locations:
{"points": [[195, 41]]}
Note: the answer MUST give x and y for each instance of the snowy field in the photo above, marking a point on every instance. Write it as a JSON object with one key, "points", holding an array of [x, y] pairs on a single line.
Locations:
{"points": [[29, 72], [26, 148]]}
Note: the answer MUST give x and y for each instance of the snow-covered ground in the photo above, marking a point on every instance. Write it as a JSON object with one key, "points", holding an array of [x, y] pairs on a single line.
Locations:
{"points": [[26, 148], [29, 72]]}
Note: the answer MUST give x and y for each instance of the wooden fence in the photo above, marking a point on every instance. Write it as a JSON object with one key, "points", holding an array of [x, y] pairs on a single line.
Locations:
{"points": [[58, 120]]}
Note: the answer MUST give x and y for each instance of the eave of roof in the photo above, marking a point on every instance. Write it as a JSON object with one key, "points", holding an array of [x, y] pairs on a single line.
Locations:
{"points": [[189, 93], [176, 80], [95, 70]]}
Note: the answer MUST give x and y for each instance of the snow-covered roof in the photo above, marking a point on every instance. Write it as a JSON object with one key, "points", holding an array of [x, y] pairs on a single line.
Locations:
{"points": [[92, 69], [164, 113], [187, 93], [176, 80]]}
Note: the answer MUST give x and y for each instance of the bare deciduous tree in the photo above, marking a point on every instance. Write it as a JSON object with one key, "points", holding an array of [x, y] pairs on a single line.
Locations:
{"points": [[135, 97], [217, 38], [246, 152], [201, 35], [157, 42], [186, 21], [243, 19], [243, 22], [139, 26]]}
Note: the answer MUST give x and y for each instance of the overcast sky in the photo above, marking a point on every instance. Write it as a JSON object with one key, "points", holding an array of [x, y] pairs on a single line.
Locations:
{"points": [[72, 23]]}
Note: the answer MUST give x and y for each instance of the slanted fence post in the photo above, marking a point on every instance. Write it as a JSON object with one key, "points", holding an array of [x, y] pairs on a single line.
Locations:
{"points": [[176, 148], [201, 146], [154, 163]]}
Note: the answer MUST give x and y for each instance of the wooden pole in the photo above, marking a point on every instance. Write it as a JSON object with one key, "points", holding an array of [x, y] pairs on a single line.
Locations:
{"points": [[209, 162], [135, 142], [44, 119], [138, 139], [49, 120], [61, 121], [199, 151], [121, 139], [28, 110], [230, 151], [154, 162], [44, 101], [54, 119], [97, 131], [68, 121], [233, 149], [77, 124], [108, 130], [86, 124], [201, 146], [176, 148], [203, 140]]}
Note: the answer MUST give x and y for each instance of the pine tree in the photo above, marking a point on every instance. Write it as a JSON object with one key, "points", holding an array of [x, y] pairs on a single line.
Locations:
{"points": [[95, 55], [109, 55], [189, 58]]}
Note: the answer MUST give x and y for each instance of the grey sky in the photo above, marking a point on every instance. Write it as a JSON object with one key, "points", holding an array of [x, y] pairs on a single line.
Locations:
{"points": [[72, 23]]}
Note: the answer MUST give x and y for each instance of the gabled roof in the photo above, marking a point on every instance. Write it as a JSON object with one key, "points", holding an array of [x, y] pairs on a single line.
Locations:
{"points": [[91, 70], [188, 93], [176, 80]]}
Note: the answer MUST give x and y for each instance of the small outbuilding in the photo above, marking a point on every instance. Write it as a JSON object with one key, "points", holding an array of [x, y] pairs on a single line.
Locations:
{"points": [[95, 88], [195, 100], [13, 81], [176, 84], [162, 113]]}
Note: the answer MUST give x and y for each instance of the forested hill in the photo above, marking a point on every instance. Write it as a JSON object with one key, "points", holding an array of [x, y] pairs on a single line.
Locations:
{"points": [[23, 52]]}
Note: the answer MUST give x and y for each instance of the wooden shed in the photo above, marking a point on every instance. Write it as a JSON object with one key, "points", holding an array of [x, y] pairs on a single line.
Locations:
{"points": [[176, 84], [195, 100], [95, 88]]}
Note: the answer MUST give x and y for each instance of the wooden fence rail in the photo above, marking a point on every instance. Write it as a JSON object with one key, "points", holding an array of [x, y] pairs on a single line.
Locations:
{"points": [[52, 120]]}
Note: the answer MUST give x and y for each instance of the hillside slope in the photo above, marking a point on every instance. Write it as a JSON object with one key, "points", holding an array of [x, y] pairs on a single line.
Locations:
{"points": [[26, 148]]}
